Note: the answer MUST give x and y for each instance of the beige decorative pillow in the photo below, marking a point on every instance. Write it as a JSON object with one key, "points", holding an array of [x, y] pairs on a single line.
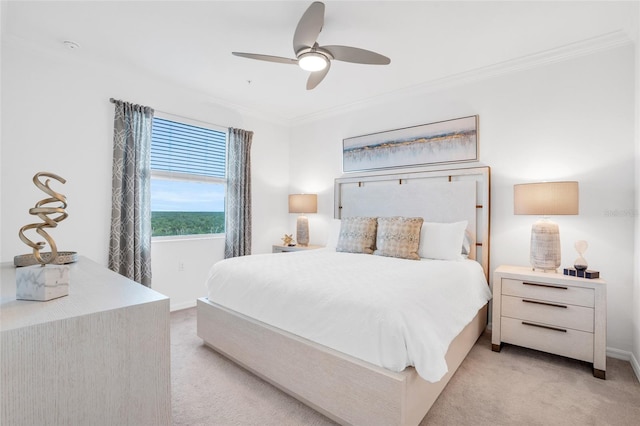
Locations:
{"points": [[398, 237], [357, 235]]}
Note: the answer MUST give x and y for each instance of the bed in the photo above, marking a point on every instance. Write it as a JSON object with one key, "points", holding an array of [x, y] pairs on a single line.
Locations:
{"points": [[324, 369]]}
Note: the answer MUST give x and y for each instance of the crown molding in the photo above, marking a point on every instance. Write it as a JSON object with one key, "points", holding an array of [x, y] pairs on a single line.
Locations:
{"points": [[585, 47], [581, 48]]}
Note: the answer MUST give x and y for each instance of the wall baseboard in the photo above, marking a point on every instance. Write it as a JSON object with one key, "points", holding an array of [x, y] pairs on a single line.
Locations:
{"points": [[181, 306], [626, 356], [619, 354], [635, 365]]}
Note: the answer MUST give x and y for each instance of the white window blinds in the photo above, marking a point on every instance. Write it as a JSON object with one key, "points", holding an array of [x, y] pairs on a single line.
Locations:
{"points": [[187, 150]]}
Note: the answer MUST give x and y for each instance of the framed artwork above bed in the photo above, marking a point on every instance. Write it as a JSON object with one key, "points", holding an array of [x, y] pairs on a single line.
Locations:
{"points": [[443, 142]]}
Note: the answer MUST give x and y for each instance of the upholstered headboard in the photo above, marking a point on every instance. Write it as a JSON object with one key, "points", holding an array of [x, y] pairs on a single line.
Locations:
{"points": [[438, 196]]}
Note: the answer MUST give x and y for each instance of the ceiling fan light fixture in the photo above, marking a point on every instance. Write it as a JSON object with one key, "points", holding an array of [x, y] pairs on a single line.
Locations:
{"points": [[310, 56], [313, 61]]}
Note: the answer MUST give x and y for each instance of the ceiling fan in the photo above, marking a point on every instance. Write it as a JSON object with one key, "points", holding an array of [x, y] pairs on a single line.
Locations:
{"points": [[312, 57]]}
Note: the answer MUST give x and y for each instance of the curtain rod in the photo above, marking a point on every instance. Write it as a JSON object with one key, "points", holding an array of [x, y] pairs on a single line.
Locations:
{"points": [[113, 101]]}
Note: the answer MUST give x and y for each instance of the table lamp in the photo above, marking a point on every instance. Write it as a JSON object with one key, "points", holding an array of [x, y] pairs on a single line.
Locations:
{"points": [[545, 199], [303, 203]]}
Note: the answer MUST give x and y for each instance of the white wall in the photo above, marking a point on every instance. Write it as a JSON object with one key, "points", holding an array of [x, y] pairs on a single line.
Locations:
{"points": [[572, 120], [635, 361], [57, 117], [2, 26]]}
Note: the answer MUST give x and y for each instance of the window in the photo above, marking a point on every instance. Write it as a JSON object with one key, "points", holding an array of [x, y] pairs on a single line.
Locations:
{"points": [[188, 183]]}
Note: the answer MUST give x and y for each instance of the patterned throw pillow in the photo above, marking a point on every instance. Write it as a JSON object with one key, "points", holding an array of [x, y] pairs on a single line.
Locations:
{"points": [[399, 237], [357, 235]]}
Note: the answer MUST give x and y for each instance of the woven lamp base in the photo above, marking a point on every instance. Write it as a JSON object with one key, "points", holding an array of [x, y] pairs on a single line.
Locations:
{"points": [[302, 231], [545, 246]]}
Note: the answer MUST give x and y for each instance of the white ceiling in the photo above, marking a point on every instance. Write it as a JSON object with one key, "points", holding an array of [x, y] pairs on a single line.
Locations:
{"points": [[189, 43]]}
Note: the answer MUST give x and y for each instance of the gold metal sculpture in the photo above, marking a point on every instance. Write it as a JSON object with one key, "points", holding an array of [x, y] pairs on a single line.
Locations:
{"points": [[44, 213], [287, 239]]}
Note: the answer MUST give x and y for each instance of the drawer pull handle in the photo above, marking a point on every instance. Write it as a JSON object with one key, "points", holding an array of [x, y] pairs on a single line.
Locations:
{"points": [[546, 285], [544, 326], [544, 303]]}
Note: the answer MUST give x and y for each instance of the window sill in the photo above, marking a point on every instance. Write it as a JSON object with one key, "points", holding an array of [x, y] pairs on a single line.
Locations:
{"points": [[175, 238]]}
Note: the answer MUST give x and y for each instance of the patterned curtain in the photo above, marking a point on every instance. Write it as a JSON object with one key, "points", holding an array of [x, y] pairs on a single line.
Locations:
{"points": [[238, 214], [130, 243]]}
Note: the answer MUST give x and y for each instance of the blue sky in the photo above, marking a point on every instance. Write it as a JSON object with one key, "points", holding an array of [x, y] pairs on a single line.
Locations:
{"points": [[184, 196]]}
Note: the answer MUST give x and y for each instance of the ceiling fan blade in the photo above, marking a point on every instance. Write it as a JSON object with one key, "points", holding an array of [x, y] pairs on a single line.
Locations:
{"points": [[268, 58], [356, 55], [316, 77], [309, 27]]}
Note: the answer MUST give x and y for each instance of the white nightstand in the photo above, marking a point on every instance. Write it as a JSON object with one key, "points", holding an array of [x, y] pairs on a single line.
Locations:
{"points": [[551, 312], [279, 248]]}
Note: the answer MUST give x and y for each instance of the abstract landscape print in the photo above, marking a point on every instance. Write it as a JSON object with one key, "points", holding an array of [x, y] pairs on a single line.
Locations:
{"points": [[449, 141]]}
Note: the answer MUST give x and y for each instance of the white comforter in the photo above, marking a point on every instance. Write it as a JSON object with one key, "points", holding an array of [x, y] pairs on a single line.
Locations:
{"points": [[391, 312]]}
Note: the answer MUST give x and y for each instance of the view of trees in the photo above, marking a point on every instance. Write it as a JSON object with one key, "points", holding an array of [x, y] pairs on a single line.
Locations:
{"points": [[186, 223]]}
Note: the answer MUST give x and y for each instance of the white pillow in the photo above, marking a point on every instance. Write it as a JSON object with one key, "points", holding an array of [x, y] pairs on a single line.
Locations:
{"points": [[334, 234], [442, 240]]}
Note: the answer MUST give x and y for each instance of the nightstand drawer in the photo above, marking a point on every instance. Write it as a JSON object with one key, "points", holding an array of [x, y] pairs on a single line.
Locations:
{"points": [[557, 340], [549, 292], [556, 314]]}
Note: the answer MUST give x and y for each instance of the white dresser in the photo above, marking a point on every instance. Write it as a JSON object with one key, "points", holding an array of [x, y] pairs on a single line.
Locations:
{"points": [[551, 312], [99, 356]]}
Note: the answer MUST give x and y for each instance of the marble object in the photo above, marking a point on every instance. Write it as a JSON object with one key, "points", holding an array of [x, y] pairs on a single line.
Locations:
{"points": [[42, 283]]}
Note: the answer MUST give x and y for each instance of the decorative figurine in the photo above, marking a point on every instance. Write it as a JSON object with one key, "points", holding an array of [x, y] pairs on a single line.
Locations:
{"points": [[43, 213], [44, 276], [287, 239]]}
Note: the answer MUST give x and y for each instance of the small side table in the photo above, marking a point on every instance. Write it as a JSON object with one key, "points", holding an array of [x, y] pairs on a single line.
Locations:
{"points": [[551, 312], [280, 248]]}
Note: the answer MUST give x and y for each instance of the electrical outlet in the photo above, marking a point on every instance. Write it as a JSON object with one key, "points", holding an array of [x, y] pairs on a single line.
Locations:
{"points": [[180, 265]]}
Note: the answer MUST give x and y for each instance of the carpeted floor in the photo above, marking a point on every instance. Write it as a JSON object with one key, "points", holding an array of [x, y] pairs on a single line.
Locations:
{"points": [[514, 387]]}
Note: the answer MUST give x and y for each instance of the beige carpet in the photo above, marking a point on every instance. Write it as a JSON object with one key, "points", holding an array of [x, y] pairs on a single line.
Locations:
{"points": [[514, 387]]}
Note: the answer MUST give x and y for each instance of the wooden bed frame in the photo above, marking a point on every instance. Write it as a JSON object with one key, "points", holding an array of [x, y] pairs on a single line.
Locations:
{"points": [[344, 388]]}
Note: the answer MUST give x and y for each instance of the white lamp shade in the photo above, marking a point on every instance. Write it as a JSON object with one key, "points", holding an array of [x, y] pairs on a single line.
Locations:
{"points": [[303, 203], [546, 198]]}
